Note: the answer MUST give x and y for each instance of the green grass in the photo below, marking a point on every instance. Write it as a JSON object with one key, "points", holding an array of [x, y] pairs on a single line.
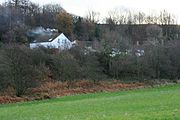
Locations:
{"points": [[160, 103]]}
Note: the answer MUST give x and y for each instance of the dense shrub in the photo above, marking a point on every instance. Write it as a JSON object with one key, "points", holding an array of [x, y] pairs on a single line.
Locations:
{"points": [[23, 68], [64, 67], [17, 68], [122, 66], [90, 64], [91, 68]]}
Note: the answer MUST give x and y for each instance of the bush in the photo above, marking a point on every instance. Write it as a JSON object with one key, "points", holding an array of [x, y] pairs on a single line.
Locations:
{"points": [[91, 68], [89, 63], [64, 67], [123, 66], [18, 69]]}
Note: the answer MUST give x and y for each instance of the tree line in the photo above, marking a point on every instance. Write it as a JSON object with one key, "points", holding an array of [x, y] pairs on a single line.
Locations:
{"points": [[18, 16], [128, 46]]}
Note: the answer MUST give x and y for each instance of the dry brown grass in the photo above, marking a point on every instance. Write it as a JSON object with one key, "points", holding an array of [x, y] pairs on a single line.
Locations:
{"points": [[49, 90], [10, 99]]}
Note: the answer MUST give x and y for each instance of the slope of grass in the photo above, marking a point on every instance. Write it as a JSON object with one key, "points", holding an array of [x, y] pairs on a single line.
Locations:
{"points": [[160, 103]]}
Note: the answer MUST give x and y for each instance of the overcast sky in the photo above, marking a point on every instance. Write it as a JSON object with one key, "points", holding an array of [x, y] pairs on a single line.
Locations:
{"points": [[80, 7]]}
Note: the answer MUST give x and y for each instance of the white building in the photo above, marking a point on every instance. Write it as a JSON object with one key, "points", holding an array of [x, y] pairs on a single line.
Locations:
{"points": [[60, 42]]}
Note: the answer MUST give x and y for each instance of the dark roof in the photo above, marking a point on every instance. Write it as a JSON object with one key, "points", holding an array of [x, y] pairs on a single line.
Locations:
{"points": [[46, 38]]}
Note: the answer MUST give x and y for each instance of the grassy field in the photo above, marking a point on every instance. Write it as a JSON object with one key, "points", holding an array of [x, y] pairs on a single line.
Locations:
{"points": [[160, 103]]}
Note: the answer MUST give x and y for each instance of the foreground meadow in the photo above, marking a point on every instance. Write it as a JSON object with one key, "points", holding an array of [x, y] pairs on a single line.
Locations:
{"points": [[159, 103]]}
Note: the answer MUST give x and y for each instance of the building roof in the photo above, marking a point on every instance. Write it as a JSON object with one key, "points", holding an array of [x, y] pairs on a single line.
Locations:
{"points": [[60, 42], [45, 38]]}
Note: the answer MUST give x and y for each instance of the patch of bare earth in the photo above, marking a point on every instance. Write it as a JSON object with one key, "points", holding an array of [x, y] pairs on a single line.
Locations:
{"points": [[56, 89]]}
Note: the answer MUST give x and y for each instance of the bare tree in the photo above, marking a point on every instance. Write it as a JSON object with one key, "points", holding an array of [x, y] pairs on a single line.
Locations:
{"points": [[141, 17], [165, 18], [93, 16]]}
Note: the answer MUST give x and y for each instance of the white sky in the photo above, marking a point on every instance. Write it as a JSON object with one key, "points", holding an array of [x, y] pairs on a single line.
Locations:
{"points": [[80, 7]]}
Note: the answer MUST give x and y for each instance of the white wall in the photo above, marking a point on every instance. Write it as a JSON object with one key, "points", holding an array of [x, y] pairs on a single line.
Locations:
{"points": [[60, 42]]}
